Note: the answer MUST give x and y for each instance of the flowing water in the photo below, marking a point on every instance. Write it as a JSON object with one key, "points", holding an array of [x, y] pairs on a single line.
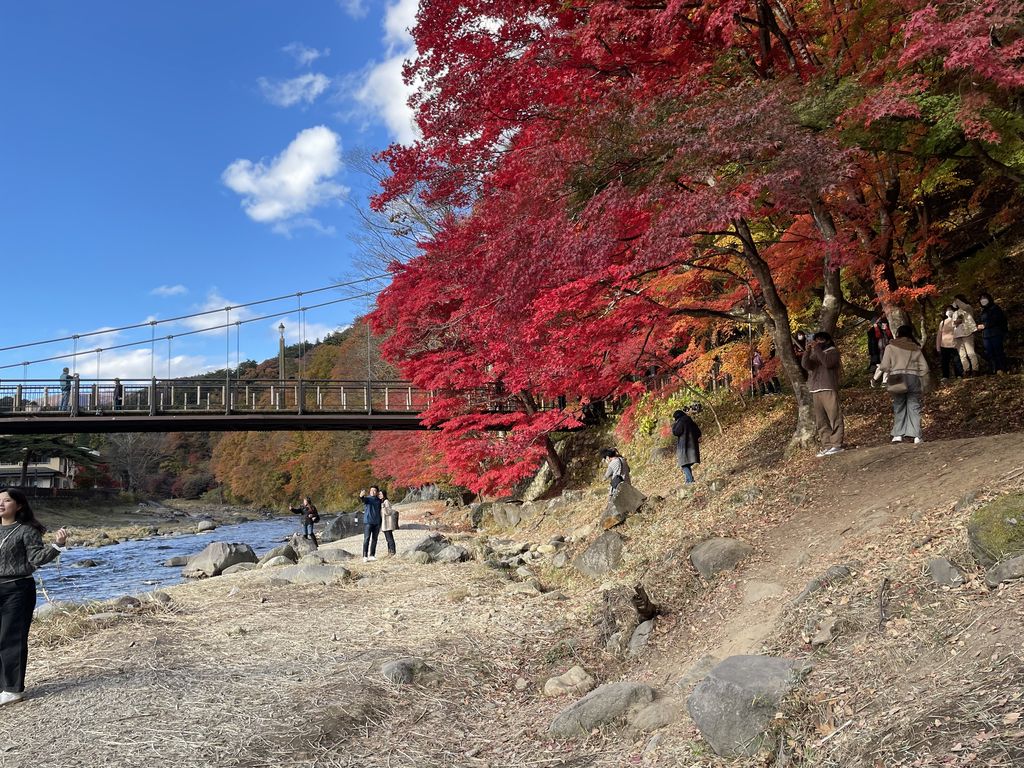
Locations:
{"points": [[132, 567]]}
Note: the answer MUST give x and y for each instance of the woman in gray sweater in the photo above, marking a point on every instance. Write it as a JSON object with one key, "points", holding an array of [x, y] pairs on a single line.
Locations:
{"points": [[21, 551]]}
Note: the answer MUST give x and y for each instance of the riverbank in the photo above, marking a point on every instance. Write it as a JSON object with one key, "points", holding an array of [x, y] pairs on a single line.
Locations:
{"points": [[99, 524], [249, 670]]}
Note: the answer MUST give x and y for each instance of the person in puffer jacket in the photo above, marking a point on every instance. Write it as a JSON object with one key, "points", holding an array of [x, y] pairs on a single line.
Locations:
{"points": [[904, 360]]}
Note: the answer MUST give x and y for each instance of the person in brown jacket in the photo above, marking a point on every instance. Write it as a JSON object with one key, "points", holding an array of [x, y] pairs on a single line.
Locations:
{"points": [[905, 373], [823, 365]]}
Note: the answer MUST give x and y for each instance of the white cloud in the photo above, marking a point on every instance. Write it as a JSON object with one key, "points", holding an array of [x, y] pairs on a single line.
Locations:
{"points": [[287, 93], [169, 290], [304, 56], [137, 364], [384, 92], [354, 8], [283, 191], [214, 301]]}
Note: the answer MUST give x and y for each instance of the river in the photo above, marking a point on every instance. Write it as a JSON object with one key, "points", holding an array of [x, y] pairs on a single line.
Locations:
{"points": [[133, 567]]}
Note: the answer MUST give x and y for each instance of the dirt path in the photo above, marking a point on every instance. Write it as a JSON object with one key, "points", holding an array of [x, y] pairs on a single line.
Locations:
{"points": [[854, 496]]}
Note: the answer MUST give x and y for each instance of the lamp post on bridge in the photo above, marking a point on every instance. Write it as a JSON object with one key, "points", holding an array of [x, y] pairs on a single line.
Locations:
{"points": [[280, 355]]}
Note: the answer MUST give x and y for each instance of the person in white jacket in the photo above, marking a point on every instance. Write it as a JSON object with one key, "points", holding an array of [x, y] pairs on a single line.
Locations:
{"points": [[964, 327], [905, 374]]}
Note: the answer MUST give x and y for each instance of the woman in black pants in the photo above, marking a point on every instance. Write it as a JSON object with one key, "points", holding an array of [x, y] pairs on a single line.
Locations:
{"points": [[21, 551], [389, 522]]}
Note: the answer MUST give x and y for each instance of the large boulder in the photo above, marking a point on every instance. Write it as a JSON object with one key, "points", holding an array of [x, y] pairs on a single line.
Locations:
{"points": [[734, 705], [1008, 570], [640, 637], [216, 557], [505, 515], [719, 554], [206, 525], [280, 560], [996, 530], [601, 706], [312, 573], [301, 545], [601, 557], [334, 555], [432, 544], [625, 501], [574, 682], [283, 550], [453, 553], [176, 562], [341, 527]]}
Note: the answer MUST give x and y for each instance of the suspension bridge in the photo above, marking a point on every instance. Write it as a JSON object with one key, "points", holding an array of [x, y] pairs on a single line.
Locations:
{"points": [[201, 403]]}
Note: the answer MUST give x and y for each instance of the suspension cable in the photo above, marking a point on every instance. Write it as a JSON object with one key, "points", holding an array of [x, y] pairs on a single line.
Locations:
{"points": [[194, 332], [133, 326]]}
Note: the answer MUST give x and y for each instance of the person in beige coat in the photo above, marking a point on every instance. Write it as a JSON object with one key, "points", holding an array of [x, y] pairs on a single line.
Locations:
{"points": [[905, 374], [389, 522]]}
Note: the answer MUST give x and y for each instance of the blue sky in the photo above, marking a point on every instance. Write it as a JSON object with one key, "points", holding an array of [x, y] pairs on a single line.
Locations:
{"points": [[158, 158]]}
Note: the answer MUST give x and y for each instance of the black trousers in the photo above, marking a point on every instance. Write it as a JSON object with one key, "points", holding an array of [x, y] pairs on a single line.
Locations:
{"points": [[950, 358], [370, 534], [17, 602], [389, 537]]}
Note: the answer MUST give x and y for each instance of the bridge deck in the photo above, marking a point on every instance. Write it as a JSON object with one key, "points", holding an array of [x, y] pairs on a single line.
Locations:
{"points": [[52, 424]]}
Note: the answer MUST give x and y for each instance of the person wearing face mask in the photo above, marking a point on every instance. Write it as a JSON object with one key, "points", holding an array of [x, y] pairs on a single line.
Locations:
{"points": [[945, 345], [963, 332], [993, 326], [879, 337], [799, 347]]}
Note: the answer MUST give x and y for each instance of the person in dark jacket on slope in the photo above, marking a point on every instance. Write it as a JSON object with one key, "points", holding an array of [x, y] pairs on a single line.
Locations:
{"points": [[687, 435], [994, 328]]}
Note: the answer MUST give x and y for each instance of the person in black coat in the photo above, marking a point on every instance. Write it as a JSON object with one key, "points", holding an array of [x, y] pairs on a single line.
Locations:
{"points": [[372, 520], [687, 443], [994, 327]]}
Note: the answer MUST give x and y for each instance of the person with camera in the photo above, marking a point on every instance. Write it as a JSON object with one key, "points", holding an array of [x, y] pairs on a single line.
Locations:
{"points": [[905, 375], [310, 516], [372, 520], [616, 469], [21, 551], [823, 364]]}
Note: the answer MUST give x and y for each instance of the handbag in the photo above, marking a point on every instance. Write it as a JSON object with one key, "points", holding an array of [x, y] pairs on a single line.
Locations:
{"points": [[896, 384]]}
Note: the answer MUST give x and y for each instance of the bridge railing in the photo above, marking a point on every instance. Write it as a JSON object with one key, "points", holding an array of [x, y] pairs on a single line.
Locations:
{"points": [[172, 396]]}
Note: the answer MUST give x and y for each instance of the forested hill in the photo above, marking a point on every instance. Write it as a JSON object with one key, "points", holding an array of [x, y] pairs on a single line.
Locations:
{"points": [[270, 469]]}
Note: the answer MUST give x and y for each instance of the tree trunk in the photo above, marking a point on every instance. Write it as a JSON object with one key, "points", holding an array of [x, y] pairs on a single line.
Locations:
{"points": [[554, 461], [832, 297], [775, 307]]}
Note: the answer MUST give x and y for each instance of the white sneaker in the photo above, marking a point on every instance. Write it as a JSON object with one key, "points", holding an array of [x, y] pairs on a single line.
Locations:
{"points": [[9, 697], [897, 439], [918, 440], [366, 559], [372, 557], [834, 450], [822, 452]]}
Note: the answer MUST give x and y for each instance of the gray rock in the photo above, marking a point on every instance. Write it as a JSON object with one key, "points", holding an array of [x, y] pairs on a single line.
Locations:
{"points": [[601, 706], [530, 588], [995, 530], [216, 557], [126, 603], [560, 560], [87, 563], [734, 705], [176, 562], [836, 574], [627, 499], [640, 637], [313, 558], [828, 630], [206, 525], [719, 554], [524, 573], [158, 596], [700, 669], [238, 568], [341, 527], [1008, 570], [601, 557], [409, 671], [574, 682], [280, 560], [334, 555], [302, 546], [656, 715], [453, 553], [944, 573], [623, 609], [312, 574], [419, 557], [432, 544], [284, 550]]}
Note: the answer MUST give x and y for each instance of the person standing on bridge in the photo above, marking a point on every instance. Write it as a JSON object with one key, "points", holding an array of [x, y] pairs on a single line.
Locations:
{"points": [[371, 522], [21, 551], [389, 522], [65, 389]]}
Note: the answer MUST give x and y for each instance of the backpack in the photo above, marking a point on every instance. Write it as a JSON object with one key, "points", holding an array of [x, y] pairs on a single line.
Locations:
{"points": [[623, 468]]}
